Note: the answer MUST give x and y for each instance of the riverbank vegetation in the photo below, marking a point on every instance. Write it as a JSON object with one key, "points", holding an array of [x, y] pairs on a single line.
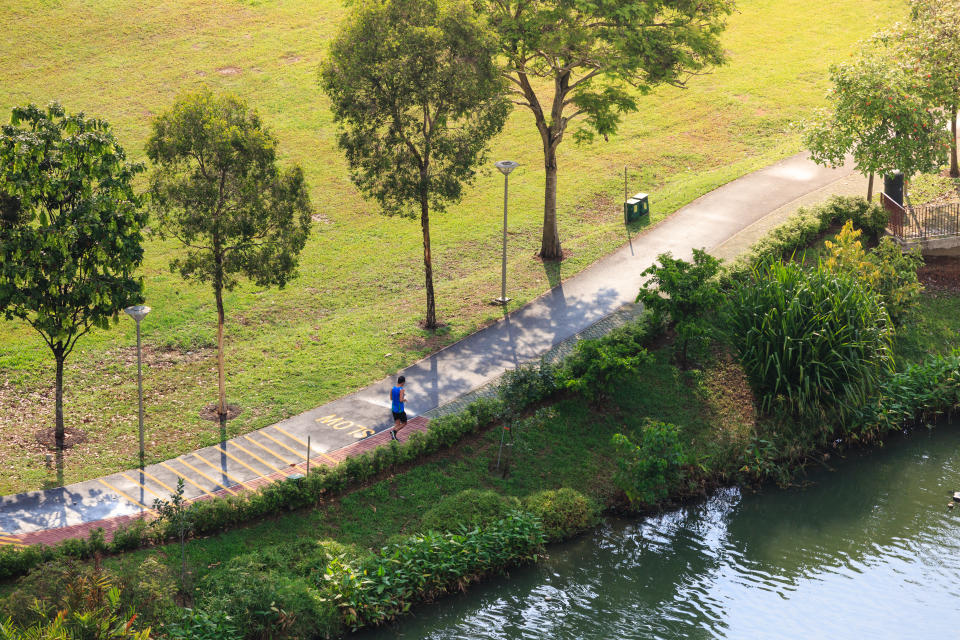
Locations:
{"points": [[353, 315], [622, 424]]}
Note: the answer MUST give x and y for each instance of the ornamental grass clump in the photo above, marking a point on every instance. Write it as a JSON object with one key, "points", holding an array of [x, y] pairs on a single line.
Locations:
{"points": [[814, 343]]}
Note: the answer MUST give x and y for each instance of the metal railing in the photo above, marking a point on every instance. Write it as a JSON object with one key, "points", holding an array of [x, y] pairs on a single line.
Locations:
{"points": [[927, 221]]}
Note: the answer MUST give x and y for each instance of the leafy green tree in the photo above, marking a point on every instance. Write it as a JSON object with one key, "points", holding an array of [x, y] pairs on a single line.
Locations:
{"points": [[217, 189], [417, 94], [931, 42], [878, 114], [596, 57], [684, 293], [70, 229]]}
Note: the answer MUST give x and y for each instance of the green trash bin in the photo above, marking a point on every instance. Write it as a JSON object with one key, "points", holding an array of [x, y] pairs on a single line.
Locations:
{"points": [[638, 205]]}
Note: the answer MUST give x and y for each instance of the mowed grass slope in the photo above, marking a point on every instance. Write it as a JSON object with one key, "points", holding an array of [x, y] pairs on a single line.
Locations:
{"points": [[352, 316]]}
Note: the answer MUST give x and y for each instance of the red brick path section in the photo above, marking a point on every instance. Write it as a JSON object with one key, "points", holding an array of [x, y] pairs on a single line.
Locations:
{"points": [[109, 525]]}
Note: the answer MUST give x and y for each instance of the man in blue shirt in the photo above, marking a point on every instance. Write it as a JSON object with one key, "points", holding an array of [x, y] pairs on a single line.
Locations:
{"points": [[397, 398]]}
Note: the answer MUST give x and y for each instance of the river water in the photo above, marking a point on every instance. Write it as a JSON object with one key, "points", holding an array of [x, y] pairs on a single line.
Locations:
{"points": [[866, 550]]}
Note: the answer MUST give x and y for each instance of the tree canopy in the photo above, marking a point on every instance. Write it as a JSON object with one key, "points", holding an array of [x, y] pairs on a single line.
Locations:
{"points": [[596, 56], [877, 113], [417, 95], [70, 229], [218, 190]]}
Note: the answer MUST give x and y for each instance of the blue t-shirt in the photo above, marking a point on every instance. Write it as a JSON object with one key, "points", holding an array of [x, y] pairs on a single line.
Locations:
{"points": [[395, 397]]}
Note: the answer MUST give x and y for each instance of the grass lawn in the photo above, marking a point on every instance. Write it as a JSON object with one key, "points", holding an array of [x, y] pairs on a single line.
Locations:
{"points": [[352, 316]]}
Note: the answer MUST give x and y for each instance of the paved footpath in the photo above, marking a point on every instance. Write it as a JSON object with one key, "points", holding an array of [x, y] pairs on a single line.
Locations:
{"points": [[358, 422]]}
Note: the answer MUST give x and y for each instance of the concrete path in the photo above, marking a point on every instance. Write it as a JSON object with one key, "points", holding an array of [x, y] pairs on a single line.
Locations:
{"points": [[523, 335]]}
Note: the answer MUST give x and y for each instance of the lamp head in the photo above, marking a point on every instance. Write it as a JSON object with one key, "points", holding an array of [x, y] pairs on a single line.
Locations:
{"points": [[506, 166], [137, 312]]}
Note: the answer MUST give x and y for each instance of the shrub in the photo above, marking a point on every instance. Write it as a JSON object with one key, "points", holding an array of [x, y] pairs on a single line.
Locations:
{"points": [[527, 385], [563, 512], [426, 565], [596, 364], [896, 282], [648, 470], [266, 603], [468, 508], [684, 293], [887, 270], [196, 624], [919, 395], [149, 587], [812, 342]]}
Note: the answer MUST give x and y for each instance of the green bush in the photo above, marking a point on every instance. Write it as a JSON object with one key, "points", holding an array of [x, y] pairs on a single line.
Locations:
{"points": [[897, 283], [196, 624], [149, 587], [812, 342], [468, 508], [685, 294], [595, 365], [527, 385], [920, 395], [647, 471], [426, 565], [563, 512], [266, 603]]}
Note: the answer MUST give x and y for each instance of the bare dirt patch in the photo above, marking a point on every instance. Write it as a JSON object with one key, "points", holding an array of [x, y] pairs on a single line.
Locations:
{"points": [[211, 412], [71, 437], [601, 208], [229, 71], [941, 273], [321, 218], [291, 58], [729, 396]]}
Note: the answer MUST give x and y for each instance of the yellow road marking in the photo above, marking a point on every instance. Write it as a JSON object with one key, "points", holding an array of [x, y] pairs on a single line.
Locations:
{"points": [[256, 473], [121, 493], [295, 438], [141, 485], [169, 468], [202, 474], [293, 451], [159, 482], [218, 469], [270, 451], [256, 457]]}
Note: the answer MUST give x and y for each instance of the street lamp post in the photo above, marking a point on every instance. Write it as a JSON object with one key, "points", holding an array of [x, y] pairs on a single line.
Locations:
{"points": [[505, 167], [138, 313]]}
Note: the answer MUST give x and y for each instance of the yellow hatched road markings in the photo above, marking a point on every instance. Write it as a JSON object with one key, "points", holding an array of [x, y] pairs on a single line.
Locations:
{"points": [[218, 469], [256, 473], [296, 439], [141, 485], [121, 493], [159, 482], [203, 475], [291, 450], [256, 457], [169, 468], [270, 451]]}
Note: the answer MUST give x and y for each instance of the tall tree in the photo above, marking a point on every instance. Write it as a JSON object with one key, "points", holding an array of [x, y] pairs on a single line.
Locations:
{"points": [[931, 41], [878, 114], [417, 94], [596, 56], [218, 190], [70, 229]]}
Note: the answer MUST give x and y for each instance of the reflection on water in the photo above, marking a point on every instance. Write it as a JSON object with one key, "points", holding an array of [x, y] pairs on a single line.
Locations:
{"points": [[867, 550]]}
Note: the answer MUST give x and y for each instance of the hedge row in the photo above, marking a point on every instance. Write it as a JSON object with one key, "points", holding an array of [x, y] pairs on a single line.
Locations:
{"points": [[805, 226]]}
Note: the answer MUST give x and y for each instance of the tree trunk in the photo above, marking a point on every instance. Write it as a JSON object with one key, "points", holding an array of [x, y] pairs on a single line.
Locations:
{"points": [[431, 321], [954, 169], [550, 243], [221, 381], [58, 423], [870, 188]]}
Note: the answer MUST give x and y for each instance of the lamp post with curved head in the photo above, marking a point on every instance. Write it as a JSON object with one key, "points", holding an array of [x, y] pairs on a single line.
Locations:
{"points": [[138, 313], [505, 167]]}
